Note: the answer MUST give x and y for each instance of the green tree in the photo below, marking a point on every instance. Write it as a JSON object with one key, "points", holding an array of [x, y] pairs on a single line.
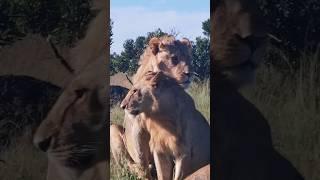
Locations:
{"points": [[110, 32], [200, 52], [132, 50], [201, 57], [206, 27], [157, 33]]}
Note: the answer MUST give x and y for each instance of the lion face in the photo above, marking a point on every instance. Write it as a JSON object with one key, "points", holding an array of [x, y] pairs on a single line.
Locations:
{"points": [[151, 94], [171, 56], [239, 40], [74, 132]]}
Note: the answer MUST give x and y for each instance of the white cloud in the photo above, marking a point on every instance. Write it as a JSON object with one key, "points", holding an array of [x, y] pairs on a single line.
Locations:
{"points": [[131, 22]]}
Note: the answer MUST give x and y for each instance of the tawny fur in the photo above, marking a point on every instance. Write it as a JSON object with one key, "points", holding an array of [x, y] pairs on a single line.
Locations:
{"points": [[76, 124], [161, 50], [136, 138], [170, 117], [239, 40]]}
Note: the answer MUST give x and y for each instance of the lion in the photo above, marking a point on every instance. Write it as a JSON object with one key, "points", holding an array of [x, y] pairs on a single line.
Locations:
{"points": [[170, 117], [168, 55], [74, 133], [162, 54], [243, 147], [239, 40]]}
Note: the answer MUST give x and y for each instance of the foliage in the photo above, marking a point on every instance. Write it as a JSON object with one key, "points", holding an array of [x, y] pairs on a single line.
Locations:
{"points": [[295, 22], [64, 20], [201, 58], [206, 27], [110, 32], [127, 60]]}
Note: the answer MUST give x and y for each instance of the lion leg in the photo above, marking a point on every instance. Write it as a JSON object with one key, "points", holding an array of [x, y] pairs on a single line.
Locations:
{"points": [[164, 166], [117, 145], [137, 144], [120, 153], [178, 173]]}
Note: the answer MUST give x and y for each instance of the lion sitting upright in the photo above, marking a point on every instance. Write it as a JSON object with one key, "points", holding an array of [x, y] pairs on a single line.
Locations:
{"points": [[162, 54], [242, 141], [179, 134]]}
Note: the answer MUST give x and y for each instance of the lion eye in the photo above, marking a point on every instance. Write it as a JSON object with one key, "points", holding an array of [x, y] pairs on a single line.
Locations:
{"points": [[80, 92], [135, 90], [154, 86], [174, 60]]}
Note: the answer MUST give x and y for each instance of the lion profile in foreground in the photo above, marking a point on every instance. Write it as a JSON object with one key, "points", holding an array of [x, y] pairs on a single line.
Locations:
{"points": [[242, 141], [162, 54], [179, 134]]}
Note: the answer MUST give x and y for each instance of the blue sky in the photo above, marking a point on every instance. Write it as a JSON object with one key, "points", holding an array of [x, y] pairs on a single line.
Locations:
{"points": [[133, 18]]}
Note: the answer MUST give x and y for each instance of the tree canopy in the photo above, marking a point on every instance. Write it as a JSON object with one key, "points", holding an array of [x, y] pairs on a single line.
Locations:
{"points": [[64, 20]]}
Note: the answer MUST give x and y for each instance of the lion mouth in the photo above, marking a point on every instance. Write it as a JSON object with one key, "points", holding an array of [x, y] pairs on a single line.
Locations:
{"points": [[133, 111], [185, 84]]}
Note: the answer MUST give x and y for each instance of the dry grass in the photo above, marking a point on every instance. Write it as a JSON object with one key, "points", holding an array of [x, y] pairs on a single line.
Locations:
{"points": [[290, 102]]}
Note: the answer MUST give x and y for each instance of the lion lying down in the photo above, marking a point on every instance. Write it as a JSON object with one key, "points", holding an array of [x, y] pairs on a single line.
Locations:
{"points": [[179, 134]]}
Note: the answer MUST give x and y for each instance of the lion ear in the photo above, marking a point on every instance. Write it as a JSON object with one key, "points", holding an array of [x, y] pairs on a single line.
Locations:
{"points": [[154, 45], [186, 42]]}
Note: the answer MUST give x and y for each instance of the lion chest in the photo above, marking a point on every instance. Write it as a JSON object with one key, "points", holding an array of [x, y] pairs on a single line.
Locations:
{"points": [[164, 138]]}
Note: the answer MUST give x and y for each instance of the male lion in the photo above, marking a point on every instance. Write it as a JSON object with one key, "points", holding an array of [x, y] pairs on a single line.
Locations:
{"points": [[241, 137], [179, 134], [168, 55], [162, 54]]}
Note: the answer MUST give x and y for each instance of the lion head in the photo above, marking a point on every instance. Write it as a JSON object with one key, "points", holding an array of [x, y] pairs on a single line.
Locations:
{"points": [[74, 132], [152, 93], [238, 41], [168, 55]]}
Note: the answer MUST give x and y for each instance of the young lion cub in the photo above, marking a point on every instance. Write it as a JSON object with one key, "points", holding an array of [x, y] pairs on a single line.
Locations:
{"points": [[179, 134]]}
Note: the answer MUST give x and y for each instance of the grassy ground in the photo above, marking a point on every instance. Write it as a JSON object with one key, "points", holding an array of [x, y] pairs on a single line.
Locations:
{"points": [[201, 95], [290, 102]]}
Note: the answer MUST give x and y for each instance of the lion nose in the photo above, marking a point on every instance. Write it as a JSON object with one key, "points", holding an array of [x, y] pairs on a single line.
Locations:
{"points": [[43, 144], [123, 104], [188, 74]]}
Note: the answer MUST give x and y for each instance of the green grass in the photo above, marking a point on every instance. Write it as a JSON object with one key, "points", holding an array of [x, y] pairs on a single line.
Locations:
{"points": [[201, 95]]}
